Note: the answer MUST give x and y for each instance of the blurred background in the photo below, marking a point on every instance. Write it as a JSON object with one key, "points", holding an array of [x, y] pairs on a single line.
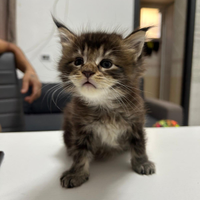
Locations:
{"points": [[170, 86]]}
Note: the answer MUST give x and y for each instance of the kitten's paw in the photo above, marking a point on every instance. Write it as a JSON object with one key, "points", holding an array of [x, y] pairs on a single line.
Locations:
{"points": [[70, 180], [146, 168]]}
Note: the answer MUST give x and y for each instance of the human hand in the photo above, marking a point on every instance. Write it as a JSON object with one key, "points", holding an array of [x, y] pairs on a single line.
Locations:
{"points": [[31, 79]]}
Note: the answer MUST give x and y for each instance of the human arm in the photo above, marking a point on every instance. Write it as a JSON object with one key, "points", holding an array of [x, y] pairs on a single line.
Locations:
{"points": [[30, 77]]}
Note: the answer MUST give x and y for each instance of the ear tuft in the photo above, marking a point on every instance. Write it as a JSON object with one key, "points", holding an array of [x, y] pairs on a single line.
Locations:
{"points": [[135, 41], [57, 23], [66, 36]]}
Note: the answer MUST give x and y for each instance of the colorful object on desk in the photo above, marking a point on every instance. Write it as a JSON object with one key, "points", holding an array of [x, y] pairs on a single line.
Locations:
{"points": [[166, 123]]}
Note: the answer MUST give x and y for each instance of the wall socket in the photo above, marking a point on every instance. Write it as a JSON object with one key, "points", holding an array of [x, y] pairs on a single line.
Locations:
{"points": [[46, 57]]}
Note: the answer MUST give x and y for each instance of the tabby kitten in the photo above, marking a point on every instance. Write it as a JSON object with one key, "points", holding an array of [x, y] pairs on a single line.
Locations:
{"points": [[106, 114]]}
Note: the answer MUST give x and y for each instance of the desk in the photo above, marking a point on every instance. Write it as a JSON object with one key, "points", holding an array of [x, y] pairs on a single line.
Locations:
{"points": [[34, 161]]}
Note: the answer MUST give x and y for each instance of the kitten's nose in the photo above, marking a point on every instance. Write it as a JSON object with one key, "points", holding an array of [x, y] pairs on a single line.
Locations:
{"points": [[88, 73]]}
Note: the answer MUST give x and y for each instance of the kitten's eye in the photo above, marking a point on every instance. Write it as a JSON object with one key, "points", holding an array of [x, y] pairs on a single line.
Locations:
{"points": [[78, 61], [106, 64]]}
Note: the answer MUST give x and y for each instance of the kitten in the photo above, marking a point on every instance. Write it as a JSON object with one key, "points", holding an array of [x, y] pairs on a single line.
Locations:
{"points": [[106, 114]]}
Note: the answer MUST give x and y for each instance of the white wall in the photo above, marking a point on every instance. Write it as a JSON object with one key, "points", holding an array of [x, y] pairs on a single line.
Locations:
{"points": [[37, 35]]}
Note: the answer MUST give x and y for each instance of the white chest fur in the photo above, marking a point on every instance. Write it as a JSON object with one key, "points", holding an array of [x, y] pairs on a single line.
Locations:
{"points": [[109, 132]]}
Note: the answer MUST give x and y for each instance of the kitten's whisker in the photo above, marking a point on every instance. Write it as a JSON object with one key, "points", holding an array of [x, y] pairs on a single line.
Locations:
{"points": [[123, 105], [46, 84], [57, 85], [120, 103], [52, 97], [49, 90], [127, 100], [135, 88], [120, 95], [128, 86], [55, 102], [131, 103], [67, 92], [59, 94], [130, 90]]}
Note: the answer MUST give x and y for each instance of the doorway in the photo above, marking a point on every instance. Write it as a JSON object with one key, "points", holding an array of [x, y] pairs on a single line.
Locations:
{"points": [[163, 78]]}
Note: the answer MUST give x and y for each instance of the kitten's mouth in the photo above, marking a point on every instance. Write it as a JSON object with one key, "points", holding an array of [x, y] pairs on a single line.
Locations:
{"points": [[88, 84]]}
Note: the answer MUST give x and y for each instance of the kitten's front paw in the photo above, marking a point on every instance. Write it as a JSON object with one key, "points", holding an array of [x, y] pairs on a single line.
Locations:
{"points": [[146, 168], [70, 180]]}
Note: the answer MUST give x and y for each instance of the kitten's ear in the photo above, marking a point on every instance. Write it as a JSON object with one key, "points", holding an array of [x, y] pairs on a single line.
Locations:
{"points": [[135, 41], [66, 36]]}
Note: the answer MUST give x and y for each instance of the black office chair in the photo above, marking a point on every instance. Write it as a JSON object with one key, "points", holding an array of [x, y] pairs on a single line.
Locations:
{"points": [[11, 107]]}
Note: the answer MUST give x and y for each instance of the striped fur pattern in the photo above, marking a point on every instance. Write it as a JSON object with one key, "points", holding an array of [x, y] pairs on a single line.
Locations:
{"points": [[106, 114]]}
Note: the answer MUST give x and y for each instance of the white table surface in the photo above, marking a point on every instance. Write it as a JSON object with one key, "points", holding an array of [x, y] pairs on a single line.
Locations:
{"points": [[34, 161]]}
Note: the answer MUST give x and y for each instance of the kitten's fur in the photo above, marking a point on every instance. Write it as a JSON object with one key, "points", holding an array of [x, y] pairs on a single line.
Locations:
{"points": [[108, 116]]}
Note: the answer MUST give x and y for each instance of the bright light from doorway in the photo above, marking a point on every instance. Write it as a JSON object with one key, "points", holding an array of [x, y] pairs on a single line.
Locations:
{"points": [[151, 17]]}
